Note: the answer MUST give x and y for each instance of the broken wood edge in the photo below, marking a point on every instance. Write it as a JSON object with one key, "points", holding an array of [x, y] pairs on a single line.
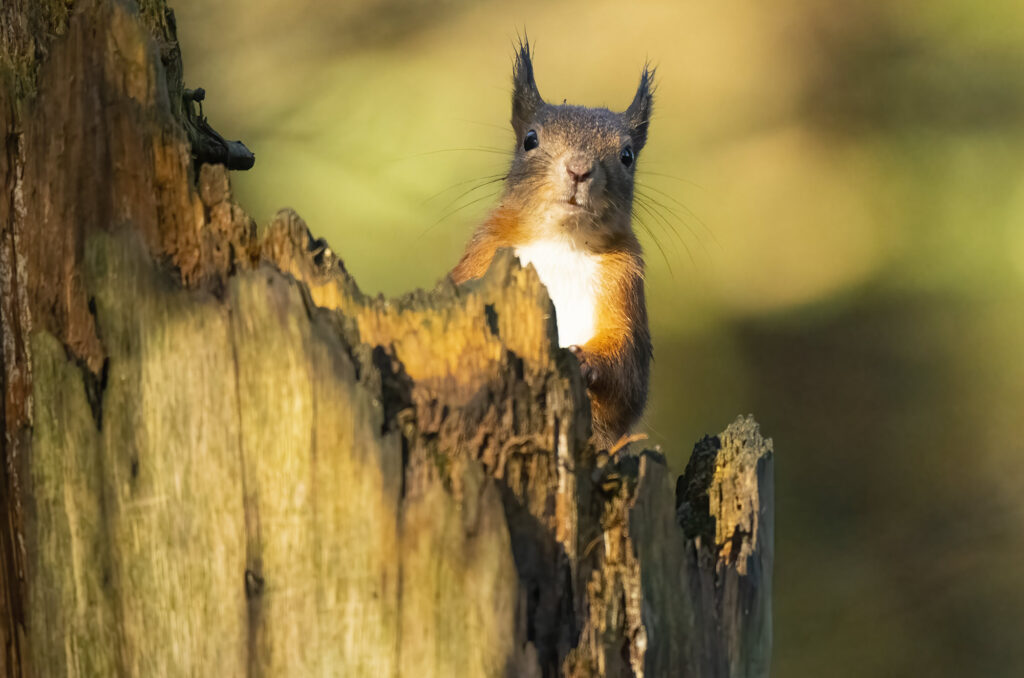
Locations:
{"points": [[230, 242], [725, 507]]}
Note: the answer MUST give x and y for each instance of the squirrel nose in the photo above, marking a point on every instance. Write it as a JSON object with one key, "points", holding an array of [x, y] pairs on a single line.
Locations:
{"points": [[579, 170]]}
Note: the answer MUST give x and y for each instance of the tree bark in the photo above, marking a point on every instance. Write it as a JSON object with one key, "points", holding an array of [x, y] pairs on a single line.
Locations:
{"points": [[221, 458]]}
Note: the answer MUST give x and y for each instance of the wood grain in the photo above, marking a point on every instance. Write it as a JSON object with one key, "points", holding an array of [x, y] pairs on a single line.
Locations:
{"points": [[221, 458]]}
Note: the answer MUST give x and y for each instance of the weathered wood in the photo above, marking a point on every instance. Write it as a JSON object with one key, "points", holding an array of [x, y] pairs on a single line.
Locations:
{"points": [[726, 504], [221, 458]]}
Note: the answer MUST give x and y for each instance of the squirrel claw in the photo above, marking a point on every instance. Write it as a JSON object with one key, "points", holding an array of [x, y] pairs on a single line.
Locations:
{"points": [[587, 371]]}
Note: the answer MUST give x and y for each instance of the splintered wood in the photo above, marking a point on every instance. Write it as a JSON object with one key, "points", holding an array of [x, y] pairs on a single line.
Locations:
{"points": [[221, 458]]}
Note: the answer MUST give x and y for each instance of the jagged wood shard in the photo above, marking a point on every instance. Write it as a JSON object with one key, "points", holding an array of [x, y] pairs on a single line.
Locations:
{"points": [[221, 458]]}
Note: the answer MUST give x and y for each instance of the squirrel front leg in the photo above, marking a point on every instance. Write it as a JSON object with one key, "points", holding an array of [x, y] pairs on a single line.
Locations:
{"points": [[615, 363], [617, 383], [500, 230]]}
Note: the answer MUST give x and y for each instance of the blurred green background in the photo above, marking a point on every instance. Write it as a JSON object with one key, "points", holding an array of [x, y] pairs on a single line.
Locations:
{"points": [[838, 248]]}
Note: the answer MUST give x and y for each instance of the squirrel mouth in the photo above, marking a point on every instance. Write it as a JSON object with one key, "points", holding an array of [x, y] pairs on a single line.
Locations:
{"points": [[573, 206], [573, 200], [576, 202]]}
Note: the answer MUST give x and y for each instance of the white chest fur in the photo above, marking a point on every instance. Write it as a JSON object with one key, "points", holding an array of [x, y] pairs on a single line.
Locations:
{"points": [[571, 276]]}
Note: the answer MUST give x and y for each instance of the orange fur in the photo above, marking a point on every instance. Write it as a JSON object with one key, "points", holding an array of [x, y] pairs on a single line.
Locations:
{"points": [[566, 209], [500, 230], [620, 351]]}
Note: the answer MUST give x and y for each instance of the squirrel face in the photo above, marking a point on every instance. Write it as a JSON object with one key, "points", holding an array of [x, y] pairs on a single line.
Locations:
{"points": [[573, 168]]}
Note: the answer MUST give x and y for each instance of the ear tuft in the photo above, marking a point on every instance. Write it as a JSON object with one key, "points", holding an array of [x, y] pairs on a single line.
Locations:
{"points": [[526, 100], [638, 115]]}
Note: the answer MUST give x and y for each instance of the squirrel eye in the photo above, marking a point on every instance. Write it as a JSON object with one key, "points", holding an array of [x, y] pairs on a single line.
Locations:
{"points": [[626, 156], [530, 142]]}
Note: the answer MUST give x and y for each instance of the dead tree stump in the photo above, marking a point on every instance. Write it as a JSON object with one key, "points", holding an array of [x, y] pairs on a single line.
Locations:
{"points": [[221, 458]]}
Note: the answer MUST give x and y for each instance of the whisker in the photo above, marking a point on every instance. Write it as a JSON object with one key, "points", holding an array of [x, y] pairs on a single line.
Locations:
{"points": [[485, 179], [689, 211], [478, 149], [455, 211], [660, 208], [646, 202], [477, 187], [673, 177], [657, 217], [657, 243]]}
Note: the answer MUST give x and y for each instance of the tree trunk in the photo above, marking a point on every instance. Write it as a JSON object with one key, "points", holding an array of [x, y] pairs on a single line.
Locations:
{"points": [[221, 458]]}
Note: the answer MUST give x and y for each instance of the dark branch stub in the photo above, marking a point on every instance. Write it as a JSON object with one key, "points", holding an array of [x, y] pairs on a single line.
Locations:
{"points": [[208, 146]]}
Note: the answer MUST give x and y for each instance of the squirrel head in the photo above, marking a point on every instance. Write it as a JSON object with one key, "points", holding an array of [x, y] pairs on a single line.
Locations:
{"points": [[573, 168]]}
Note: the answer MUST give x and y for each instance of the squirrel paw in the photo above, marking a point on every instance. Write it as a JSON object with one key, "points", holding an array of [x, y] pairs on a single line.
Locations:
{"points": [[587, 370]]}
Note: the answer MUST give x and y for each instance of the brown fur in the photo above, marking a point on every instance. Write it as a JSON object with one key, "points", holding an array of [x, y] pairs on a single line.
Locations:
{"points": [[615, 362]]}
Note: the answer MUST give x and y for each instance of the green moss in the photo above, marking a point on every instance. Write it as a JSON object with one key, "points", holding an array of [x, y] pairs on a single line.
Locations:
{"points": [[53, 16], [154, 18], [692, 501], [34, 24], [31, 26]]}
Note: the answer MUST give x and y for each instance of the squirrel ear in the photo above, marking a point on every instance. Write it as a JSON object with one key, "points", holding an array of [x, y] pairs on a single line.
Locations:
{"points": [[638, 115], [526, 99]]}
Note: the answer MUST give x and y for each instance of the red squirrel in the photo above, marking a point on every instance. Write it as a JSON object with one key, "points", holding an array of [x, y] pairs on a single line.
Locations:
{"points": [[566, 210]]}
